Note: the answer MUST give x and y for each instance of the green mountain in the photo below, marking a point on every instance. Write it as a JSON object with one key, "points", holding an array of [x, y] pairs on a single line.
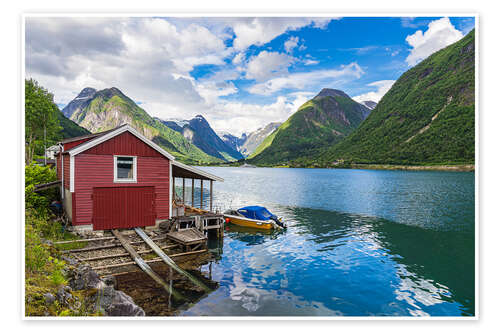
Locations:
{"points": [[427, 117], [319, 123], [69, 128], [108, 108]]}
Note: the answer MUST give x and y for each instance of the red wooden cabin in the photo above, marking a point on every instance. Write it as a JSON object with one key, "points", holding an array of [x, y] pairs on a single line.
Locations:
{"points": [[118, 179]]}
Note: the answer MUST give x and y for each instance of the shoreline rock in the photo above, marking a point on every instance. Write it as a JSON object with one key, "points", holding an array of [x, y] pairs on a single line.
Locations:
{"points": [[105, 298]]}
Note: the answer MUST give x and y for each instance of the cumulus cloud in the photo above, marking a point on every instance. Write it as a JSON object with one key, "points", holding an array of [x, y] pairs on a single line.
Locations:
{"points": [[303, 80], [268, 64], [261, 30], [255, 116], [151, 59], [439, 34], [291, 43], [238, 58], [382, 87]]}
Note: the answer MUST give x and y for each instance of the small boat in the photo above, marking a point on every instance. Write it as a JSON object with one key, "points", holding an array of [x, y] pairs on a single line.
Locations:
{"points": [[254, 217]]}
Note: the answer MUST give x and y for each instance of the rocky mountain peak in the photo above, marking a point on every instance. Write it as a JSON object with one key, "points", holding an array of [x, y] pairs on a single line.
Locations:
{"points": [[331, 93], [87, 92]]}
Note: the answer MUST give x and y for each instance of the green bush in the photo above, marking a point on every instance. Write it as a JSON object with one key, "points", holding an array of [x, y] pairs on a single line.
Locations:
{"points": [[36, 174], [36, 254]]}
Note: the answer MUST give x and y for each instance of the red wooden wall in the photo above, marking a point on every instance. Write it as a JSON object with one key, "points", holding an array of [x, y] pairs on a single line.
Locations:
{"points": [[124, 144], [95, 166], [123, 207]]}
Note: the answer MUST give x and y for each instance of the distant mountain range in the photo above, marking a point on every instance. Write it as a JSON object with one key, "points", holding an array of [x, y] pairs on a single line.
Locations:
{"points": [[427, 117], [321, 122], [247, 143], [198, 132]]}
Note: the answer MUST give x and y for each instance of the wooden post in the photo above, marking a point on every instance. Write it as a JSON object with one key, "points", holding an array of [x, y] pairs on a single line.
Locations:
{"points": [[211, 194], [192, 192], [183, 190], [201, 194], [173, 186]]}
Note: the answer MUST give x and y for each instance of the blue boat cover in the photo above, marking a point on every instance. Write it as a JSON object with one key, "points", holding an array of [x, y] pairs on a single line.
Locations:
{"points": [[256, 212]]}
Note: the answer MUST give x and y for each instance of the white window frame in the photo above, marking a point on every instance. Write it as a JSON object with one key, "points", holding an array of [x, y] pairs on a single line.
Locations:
{"points": [[115, 171]]}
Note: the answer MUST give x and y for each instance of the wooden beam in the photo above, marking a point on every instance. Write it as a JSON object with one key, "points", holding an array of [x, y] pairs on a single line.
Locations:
{"points": [[173, 186], [148, 261], [144, 266], [201, 194], [168, 260], [183, 190], [41, 187], [125, 254], [85, 249], [192, 192], [211, 195], [85, 240]]}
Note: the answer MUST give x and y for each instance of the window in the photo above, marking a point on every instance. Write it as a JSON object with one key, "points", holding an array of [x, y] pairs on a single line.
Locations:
{"points": [[125, 169]]}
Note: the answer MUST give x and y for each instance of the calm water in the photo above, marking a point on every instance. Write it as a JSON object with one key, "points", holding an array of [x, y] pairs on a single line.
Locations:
{"points": [[359, 243]]}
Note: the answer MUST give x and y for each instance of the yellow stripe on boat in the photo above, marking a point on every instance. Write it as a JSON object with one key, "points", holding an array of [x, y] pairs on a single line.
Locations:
{"points": [[245, 222]]}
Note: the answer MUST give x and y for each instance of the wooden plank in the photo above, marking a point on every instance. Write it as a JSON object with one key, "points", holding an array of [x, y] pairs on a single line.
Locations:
{"points": [[187, 236], [211, 194], [125, 254], [41, 187], [85, 240], [183, 190], [85, 249], [169, 261], [128, 263], [201, 194], [144, 266], [192, 192]]}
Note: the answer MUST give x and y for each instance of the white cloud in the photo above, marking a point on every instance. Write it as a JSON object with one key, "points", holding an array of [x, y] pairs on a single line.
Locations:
{"points": [[382, 87], [291, 43], [439, 34], [261, 30], [309, 62], [238, 58], [151, 59], [254, 116], [212, 90], [304, 80], [268, 64]]}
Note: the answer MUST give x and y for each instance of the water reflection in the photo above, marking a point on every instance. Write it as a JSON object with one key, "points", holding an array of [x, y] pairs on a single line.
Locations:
{"points": [[369, 243], [330, 263]]}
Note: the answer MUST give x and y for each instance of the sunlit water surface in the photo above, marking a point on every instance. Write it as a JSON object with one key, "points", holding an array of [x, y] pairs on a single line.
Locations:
{"points": [[359, 243]]}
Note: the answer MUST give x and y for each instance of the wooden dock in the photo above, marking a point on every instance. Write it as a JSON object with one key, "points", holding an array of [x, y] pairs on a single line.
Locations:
{"points": [[144, 266], [111, 255]]}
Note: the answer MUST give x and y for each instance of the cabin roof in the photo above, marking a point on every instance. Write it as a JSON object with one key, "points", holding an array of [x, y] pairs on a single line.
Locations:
{"points": [[92, 135]]}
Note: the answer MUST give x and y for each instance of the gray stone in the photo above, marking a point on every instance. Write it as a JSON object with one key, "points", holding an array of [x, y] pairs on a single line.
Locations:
{"points": [[123, 305], [83, 277], [110, 280], [63, 296], [105, 297], [49, 298], [70, 261]]}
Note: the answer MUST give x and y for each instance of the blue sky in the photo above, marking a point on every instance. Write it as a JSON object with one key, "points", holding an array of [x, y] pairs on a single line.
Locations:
{"points": [[240, 73]]}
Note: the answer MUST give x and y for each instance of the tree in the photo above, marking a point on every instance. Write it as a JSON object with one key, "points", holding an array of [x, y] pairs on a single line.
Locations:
{"points": [[41, 121]]}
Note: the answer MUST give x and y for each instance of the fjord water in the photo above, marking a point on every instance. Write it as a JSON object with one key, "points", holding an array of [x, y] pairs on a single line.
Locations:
{"points": [[359, 243]]}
